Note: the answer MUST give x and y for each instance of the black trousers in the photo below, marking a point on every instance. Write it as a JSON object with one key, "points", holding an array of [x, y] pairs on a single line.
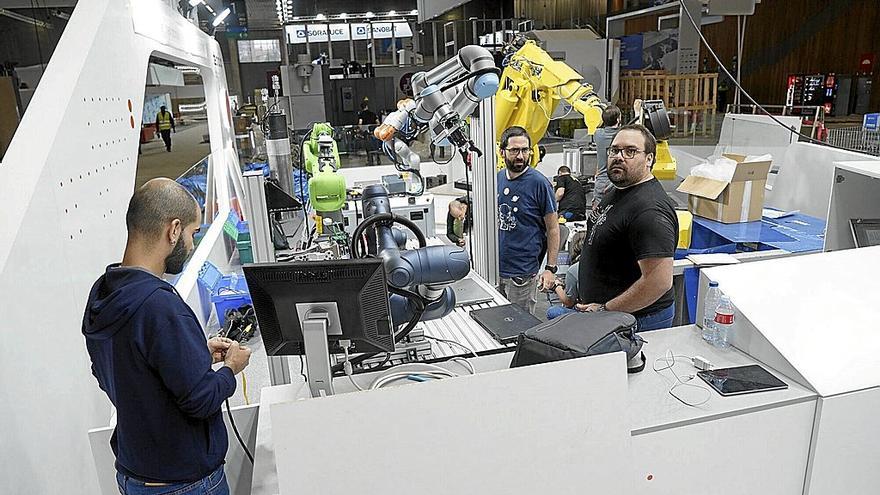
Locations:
{"points": [[166, 136]]}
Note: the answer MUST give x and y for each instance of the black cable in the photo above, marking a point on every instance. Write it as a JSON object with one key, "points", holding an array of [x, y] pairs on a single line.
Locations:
{"points": [[237, 434], [432, 148], [384, 217], [384, 361], [465, 225], [402, 167], [743, 91], [302, 369]]}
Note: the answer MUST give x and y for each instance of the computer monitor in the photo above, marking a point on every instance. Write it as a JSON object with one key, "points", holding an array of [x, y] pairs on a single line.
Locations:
{"points": [[307, 308], [866, 231]]}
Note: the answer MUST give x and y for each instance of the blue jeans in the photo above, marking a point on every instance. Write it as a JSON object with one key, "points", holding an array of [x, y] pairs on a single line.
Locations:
{"points": [[213, 484], [656, 320], [557, 311]]}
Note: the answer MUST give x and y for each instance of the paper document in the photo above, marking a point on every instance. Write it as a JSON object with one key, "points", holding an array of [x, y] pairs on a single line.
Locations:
{"points": [[774, 214], [713, 259]]}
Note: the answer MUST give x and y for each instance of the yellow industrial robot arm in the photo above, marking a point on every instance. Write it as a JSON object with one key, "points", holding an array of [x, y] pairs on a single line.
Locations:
{"points": [[532, 85]]}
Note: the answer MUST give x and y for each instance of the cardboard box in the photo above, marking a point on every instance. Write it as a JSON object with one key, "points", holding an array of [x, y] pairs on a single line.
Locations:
{"points": [[740, 199]]}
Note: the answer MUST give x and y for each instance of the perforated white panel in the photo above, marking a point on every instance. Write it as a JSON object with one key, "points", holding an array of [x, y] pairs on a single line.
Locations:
{"points": [[65, 184]]}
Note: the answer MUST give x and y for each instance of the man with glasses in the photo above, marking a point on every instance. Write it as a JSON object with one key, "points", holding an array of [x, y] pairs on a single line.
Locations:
{"points": [[528, 226], [626, 262]]}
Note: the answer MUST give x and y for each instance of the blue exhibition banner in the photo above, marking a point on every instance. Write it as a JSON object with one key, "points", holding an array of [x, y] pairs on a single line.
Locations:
{"points": [[631, 52]]}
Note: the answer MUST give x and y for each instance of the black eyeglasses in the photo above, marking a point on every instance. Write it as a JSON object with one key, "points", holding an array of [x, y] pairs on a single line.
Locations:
{"points": [[628, 153], [518, 151]]}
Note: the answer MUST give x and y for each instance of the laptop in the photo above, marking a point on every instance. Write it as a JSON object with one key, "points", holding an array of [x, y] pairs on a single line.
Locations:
{"points": [[506, 322], [468, 292]]}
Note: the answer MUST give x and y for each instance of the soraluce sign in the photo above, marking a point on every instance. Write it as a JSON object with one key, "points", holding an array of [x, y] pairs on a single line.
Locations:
{"points": [[296, 33]]}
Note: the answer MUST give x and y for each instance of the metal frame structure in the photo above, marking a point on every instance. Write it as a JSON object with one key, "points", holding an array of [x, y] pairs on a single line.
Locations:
{"points": [[66, 181]]}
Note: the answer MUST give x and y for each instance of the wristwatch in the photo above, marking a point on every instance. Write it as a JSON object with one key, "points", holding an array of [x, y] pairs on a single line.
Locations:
{"points": [[602, 307], [551, 268]]}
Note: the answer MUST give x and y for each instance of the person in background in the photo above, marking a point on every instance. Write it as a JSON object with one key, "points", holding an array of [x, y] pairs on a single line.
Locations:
{"points": [[626, 261], [150, 356], [603, 137], [528, 226], [567, 291], [458, 220], [366, 116], [570, 196], [165, 125]]}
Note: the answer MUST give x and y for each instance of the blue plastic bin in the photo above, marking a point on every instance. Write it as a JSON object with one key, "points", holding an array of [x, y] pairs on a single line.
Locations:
{"points": [[225, 291]]}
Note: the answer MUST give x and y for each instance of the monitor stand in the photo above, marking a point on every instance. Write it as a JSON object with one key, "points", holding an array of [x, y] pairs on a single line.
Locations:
{"points": [[318, 320]]}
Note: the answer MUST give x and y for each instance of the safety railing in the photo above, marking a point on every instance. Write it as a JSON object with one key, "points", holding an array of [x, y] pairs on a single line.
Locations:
{"points": [[856, 138]]}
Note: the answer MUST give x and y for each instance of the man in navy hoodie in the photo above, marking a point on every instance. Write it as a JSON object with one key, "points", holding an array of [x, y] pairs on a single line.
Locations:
{"points": [[150, 356]]}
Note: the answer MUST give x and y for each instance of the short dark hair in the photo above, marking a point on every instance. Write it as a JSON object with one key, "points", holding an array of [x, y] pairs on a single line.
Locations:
{"points": [[650, 142], [564, 170], [364, 105], [514, 131], [157, 203], [610, 116]]}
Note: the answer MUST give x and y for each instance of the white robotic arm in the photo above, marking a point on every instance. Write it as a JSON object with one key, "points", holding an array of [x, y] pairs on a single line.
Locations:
{"points": [[444, 97]]}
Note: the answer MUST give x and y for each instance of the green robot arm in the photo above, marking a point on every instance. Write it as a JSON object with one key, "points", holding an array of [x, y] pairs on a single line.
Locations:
{"points": [[327, 189], [310, 149]]}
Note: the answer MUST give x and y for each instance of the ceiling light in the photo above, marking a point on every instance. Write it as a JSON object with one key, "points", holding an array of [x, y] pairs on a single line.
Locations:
{"points": [[193, 3], [221, 17], [320, 17], [392, 12], [296, 18], [370, 14], [414, 12], [343, 15]]}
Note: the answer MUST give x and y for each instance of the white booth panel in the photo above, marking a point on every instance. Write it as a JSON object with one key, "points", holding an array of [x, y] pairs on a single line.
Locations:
{"points": [[66, 180], [806, 175], [747, 134], [561, 432], [819, 311], [744, 454], [846, 444], [855, 194]]}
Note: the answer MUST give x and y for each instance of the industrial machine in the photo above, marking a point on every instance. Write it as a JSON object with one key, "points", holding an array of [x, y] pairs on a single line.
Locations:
{"points": [[444, 97], [533, 85], [327, 189], [418, 278]]}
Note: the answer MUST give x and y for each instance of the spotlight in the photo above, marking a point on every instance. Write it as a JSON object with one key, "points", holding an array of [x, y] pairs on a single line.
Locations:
{"points": [[193, 3], [414, 12], [221, 17], [320, 17], [343, 15], [370, 14], [392, 12]]}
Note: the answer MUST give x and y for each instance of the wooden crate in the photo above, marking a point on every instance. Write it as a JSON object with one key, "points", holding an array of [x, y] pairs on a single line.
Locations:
{"points": [[689, 98]]}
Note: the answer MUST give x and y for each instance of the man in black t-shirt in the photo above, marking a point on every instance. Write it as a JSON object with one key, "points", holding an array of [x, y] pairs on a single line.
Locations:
{"points": [[570, 196], [626, 262], [367, 117]]}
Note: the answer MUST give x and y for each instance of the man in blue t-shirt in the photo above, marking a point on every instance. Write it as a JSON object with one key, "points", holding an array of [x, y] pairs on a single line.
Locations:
{"points": [[528, 226]]}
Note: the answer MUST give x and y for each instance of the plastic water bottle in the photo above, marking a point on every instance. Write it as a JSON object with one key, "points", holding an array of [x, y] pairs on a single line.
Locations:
{"points": [[713, 296], [723, 322]]}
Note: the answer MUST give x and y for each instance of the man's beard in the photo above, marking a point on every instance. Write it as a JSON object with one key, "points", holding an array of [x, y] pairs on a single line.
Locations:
{"points": [[621, 176], [516, 165], [175, 261]]}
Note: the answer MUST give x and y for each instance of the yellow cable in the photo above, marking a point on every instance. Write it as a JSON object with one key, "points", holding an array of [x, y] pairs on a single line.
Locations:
{"points": [[247, 402]]}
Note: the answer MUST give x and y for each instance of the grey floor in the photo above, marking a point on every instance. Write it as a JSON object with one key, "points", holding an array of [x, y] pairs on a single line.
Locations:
{"points": [[187, 149]]}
